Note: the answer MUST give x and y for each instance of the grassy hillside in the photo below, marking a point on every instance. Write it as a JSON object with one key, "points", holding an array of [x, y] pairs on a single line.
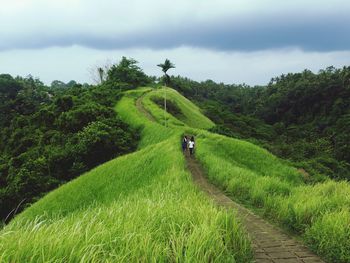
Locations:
{"points": [[302, 117], [139, 207], [191, 114], [256, 177], [319, 212], [143, 206]]}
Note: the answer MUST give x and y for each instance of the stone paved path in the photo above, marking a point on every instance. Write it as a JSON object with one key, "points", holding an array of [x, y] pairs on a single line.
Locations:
{"points": [[270, 244]]}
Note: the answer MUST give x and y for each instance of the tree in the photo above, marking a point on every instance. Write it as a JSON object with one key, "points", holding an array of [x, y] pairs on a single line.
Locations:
{"points": [[165, 67], [46, 142], [58, 84], [128, 73]]}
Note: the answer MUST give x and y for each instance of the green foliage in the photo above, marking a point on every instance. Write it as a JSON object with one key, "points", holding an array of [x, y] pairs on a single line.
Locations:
{"points": [[171, 107], [190, 114], [302, 117], [280, 191], [331, 233], [51, 135], [128, 73], [139, 207], [57, 84], [146, 202], [165, 67], [259, 179]]}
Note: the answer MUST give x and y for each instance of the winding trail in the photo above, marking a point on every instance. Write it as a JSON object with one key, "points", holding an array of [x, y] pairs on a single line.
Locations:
{"points": [[270, 244], [142, 109]]}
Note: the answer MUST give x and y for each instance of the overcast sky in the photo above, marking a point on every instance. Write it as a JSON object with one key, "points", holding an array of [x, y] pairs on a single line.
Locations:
{"points": [[231, 41]]}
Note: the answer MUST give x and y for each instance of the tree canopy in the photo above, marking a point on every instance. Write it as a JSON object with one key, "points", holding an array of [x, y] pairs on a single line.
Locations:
{"points": [[50, 135], [128, 72], [303, 117], [165, 67]]}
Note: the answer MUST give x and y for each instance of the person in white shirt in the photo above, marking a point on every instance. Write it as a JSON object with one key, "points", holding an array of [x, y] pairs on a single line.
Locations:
{"points": [[191, 145]]}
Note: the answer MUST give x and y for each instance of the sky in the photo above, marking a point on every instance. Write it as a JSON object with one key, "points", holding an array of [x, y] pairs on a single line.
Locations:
{"points": [[230, 41]]}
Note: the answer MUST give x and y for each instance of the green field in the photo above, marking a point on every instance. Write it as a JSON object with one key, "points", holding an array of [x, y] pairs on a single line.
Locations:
{"points": [[144, 206]]}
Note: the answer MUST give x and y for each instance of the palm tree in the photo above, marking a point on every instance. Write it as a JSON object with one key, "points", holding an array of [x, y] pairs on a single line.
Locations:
{"points": [[165, 67]]}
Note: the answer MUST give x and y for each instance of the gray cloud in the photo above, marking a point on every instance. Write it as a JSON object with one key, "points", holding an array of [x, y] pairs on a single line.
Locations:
{"points": [[241, 29], [232, 41]]}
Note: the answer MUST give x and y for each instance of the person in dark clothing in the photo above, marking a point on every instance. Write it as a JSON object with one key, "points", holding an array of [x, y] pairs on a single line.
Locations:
{"points": [[184, 143]]}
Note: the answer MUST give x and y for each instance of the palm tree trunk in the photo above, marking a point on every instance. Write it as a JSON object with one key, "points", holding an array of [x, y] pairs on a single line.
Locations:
{"points": [[166, 84], [165, 123]]}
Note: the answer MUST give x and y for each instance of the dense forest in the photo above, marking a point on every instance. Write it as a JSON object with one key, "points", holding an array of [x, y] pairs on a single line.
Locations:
{"points": [[302, 117], [52, 134]]}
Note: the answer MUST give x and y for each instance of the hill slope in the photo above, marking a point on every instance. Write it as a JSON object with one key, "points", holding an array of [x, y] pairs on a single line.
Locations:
{"points": [[303, 117], [254, 176], [144, 206]]}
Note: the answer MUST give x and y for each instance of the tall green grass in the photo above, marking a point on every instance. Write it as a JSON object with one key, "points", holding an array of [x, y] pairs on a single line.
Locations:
{"points": [[151, 132], [318, 212], [142, 207], [192, 117]]}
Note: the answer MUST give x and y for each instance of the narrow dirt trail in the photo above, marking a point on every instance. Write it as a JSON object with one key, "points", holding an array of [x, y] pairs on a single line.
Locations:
{"points": [[270, 244], [142, 109]]}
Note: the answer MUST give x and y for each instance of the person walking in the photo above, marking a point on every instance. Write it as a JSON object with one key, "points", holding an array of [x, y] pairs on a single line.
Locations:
{"points": [[191, 145], [184, 143]]}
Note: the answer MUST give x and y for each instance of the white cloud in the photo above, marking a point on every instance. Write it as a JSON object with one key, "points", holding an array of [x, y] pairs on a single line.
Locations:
{"points": [[199, 64]]}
